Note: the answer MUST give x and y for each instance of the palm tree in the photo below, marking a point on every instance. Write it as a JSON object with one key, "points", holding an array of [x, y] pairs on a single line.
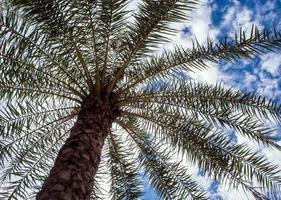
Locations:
{"points": [[86, 92]]}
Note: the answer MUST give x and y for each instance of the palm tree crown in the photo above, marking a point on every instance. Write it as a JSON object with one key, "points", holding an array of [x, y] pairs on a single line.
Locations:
{"points": [[66, 60]]}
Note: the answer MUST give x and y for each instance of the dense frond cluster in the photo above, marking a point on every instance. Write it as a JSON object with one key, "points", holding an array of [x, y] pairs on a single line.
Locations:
{"points": [[55, 54]]}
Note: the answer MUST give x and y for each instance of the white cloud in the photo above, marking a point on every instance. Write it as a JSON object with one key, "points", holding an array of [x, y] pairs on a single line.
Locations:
{"points": [[271, 62], [268, 86], [201, 25], [233, 194], [212, 75], [273, 155], [238, 16], [266, 11], [133, 5], [250, 79], [201, 28]]}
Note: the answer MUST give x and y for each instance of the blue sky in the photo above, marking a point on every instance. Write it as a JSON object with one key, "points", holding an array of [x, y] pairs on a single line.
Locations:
{"points": [[215, 18]]}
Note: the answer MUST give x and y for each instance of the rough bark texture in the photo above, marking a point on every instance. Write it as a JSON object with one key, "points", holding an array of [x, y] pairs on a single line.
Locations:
{"points": [[75, 167]]}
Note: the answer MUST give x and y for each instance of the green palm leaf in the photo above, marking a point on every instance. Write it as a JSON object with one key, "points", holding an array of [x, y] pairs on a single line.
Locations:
{"points": [[86, 100]]}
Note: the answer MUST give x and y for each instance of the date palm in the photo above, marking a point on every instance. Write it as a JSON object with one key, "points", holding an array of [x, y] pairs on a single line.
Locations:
{"points": [[86, 92]]}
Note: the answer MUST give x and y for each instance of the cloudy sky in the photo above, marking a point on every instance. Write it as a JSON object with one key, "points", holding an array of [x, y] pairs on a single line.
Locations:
{"points": [[215, 18]]}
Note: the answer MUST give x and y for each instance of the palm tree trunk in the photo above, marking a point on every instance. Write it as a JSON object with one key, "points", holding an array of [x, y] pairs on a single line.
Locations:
{"points": [[75, 167]]}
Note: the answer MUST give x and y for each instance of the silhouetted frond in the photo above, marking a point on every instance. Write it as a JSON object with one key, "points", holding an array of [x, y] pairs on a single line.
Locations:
{"points": [[221, 108], [148, 29], [227, 49], [124, 174], [27, 167], [170, 179], [215, 154], [59, 57]]}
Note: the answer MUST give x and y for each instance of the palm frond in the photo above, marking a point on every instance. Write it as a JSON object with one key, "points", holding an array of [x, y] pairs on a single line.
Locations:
{"points": [[112, 23], [54, 17], [216, 156], [56, 56], [250, 104], [169, 179], [124, 174], [219, 107], [100, 190], [150, 27], [151, 24], [22, 124], [227, 49], [28, 167], [30, 41]]}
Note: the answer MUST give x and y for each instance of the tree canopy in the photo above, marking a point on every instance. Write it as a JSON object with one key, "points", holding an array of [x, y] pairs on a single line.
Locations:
{"points": [[54, 54]]}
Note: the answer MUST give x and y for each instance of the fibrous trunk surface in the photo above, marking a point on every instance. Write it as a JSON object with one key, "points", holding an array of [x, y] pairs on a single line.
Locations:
{"points": [[75, 167]]}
